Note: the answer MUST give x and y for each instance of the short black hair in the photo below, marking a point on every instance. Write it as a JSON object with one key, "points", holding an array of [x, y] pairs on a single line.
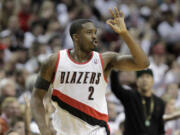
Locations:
{"points": [[145, 71], [77, 25]]}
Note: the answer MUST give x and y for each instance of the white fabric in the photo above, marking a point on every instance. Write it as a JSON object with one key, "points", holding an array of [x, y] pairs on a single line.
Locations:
{"points": [[64, 121], [158, 71], [73, 125]]}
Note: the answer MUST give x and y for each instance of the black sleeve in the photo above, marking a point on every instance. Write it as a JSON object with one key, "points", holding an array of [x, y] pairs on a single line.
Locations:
{"points": [[120, 92], [161, 122]]}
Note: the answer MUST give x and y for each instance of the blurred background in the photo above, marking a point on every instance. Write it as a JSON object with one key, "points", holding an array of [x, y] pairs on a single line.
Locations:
{"points": [[31, 30]]}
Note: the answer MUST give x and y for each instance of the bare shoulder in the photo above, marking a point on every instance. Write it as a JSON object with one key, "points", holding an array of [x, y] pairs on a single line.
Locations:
{"points": [[107, 57], [48, 67]]}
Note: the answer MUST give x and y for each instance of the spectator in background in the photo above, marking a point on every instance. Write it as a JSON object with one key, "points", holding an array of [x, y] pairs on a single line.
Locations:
{"points": [[13, 24], [55, 43], [5, 37], [34, 35], [171, 110], [47, 10], [7, 10], [3, 126], [37, 53], [143, 110], [2, 54], [25, 15], [18, 125], [53, 28], [20, 78], [173, 75], [17, 35], [10, 109], [159, 67], [11, 132], [7, 88], [169, 30], [2, 74], [172, 92]]}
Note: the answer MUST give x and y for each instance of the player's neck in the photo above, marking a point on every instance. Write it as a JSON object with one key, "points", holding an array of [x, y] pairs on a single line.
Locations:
{"points": [[146, 93], [79, 55]]}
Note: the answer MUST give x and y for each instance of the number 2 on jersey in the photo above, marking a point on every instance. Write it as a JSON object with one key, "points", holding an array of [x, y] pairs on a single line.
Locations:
{"points": [[91, 90]]}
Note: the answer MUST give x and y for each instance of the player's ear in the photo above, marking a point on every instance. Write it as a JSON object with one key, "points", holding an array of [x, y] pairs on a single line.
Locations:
{"points": [[75, 37]]}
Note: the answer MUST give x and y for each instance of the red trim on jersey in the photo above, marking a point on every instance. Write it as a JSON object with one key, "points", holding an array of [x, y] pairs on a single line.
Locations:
{"points": [[57, 63], [79, 62], [80, 106], [102, 65]]}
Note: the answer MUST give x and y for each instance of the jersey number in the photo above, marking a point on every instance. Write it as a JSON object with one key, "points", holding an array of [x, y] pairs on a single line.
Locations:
{"points": [[91, 90]]}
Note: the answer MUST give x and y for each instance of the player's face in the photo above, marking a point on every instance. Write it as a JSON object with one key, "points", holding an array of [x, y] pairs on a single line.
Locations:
{"points": [[87, 37], [145, 82]]}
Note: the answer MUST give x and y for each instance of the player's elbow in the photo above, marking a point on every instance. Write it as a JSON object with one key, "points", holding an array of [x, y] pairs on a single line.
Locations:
{"points": [[147, 63], [144, 64]]}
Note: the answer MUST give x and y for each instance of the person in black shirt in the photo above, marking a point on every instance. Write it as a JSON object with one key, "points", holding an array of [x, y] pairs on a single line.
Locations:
{"points": [[143, 110]]}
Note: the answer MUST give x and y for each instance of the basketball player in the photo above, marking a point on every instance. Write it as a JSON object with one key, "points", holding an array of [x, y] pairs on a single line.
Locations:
{"points": [[79, 79]]}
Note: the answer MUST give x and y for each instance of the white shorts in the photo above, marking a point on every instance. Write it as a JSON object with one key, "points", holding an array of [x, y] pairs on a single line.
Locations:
{"points": [[67, 124], [100, 131]]}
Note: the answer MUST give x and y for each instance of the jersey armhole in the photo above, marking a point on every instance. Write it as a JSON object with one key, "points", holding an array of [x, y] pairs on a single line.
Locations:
{"points": [[57, 63], [102, 66]]}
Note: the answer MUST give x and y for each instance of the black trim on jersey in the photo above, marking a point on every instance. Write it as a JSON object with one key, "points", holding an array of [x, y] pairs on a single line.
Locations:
{"points": [[89, 119]]}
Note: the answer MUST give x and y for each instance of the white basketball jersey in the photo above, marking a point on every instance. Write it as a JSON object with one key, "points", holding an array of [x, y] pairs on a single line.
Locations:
{"points": [[79, 94]]}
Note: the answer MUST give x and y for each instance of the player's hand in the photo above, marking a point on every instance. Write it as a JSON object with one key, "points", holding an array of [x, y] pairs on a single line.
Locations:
{"points": [[49, 108], [117, 23]]}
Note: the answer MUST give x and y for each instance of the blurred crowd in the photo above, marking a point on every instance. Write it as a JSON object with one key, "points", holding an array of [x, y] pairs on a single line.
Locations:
{"points": [[31, 30]]}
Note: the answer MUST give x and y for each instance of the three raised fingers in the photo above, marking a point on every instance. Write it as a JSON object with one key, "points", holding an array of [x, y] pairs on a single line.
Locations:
{"points": [[116, 13], [112, 13]]}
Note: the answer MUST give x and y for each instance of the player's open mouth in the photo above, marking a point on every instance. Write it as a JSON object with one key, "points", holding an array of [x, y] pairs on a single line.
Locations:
{"points": [[95, 42]]}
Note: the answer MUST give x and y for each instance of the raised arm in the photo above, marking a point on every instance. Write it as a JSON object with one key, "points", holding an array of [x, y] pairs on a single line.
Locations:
{"points": [[41, 87], [136, 61], [174, 115], [119, 91]]}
